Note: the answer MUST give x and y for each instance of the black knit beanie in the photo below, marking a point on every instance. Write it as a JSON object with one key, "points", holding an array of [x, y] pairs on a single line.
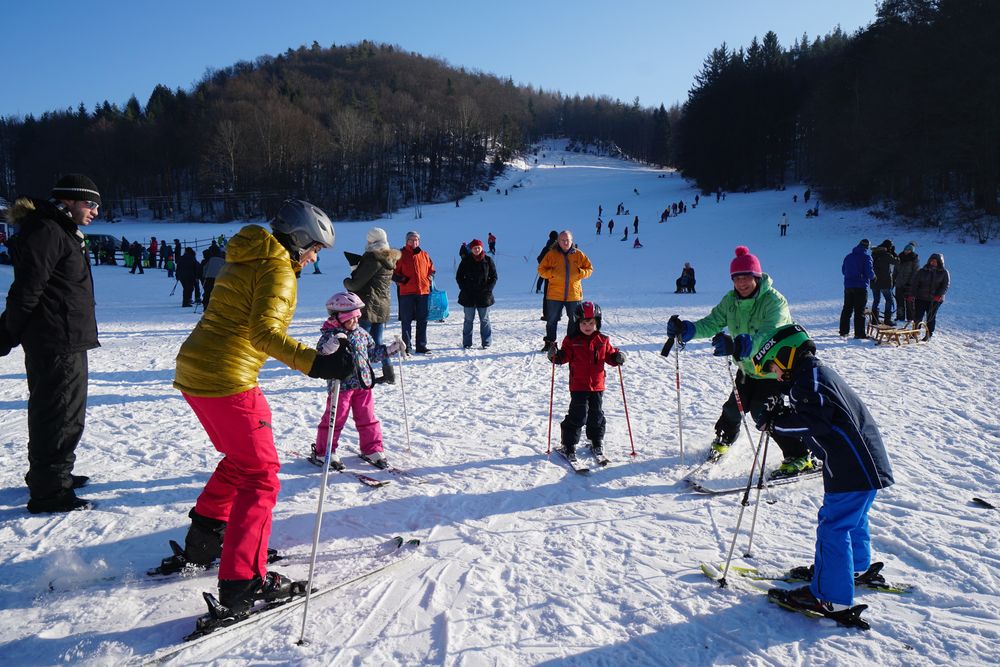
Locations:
{"points": [[76, 187]]}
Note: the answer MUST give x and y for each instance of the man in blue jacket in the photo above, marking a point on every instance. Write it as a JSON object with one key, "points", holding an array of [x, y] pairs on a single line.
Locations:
{"points": [[858, 273], [836, 426]]}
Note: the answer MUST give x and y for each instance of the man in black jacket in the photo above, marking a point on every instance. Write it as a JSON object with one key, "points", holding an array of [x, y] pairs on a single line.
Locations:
{"points": [[50, 312]]}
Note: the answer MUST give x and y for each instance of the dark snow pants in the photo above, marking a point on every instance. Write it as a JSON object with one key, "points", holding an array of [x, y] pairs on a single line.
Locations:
{"points": [[855, 300], [585, 408], [930, 308], [753, 394], [57, 406]]}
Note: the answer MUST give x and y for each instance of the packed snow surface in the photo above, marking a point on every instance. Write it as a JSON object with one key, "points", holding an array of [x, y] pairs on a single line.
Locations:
{"points": [[524, 562]]}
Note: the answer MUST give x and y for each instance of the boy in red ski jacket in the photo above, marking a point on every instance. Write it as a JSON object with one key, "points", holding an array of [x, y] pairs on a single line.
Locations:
{"points": [[586, 352]]}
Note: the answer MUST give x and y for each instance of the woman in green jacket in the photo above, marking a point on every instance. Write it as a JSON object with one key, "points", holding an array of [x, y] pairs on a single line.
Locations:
{"points": [[751, 311]]}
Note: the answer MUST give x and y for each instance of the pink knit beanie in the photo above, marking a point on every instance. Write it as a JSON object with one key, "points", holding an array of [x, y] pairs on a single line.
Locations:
{"points": [[744, 263]]}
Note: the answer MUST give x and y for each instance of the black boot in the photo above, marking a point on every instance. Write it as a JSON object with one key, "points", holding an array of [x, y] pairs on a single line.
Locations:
{"points": [[388, 374], [239, 595], [203, 543]]}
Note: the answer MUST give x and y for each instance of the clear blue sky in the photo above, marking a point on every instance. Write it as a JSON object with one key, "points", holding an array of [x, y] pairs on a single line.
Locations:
{"points": [[55, 54]]}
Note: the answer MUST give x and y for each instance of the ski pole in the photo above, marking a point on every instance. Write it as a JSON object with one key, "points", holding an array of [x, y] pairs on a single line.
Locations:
{"points": [[743, 506], [739, 404], [756, 506], [332, 397], [406, 419], [621, 383], [552, 393], [174, 288], [677, 372]]}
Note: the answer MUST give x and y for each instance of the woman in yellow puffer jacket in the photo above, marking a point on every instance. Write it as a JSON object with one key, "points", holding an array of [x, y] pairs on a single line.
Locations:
{"points": [[217, 366]]}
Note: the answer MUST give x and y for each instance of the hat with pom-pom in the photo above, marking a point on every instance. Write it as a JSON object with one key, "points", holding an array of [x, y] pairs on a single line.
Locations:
{"points": [[744, 263]]}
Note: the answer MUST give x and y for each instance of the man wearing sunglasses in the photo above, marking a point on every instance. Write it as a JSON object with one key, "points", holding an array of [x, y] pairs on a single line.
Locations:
{"points": [[50, 313]]}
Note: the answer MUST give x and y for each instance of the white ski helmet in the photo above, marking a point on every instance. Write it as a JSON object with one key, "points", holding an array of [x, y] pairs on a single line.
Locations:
{"points": [[345, 302], [299, 224]]}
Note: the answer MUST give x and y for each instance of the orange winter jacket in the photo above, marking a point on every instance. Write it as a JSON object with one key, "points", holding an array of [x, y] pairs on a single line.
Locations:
{"points": [[564, 271], [413, 271], [252, 305]]}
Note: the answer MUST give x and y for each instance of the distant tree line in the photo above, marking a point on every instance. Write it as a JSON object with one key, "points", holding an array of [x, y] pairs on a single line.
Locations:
{"points": [[360, 130], [905, 110]]}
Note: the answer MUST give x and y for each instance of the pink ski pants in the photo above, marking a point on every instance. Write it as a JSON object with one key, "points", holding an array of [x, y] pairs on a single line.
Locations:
{"points": [[369, 428], [244, 487]]}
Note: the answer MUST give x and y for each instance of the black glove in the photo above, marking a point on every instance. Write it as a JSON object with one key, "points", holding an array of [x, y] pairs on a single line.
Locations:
{"points": [[6, 344], [618, 357], [552, 353], [399, 278], [774, 407], [336, 366]]}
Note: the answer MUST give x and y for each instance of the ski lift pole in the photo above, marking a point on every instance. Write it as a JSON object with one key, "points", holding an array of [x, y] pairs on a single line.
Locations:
{"points": [[332, 397], [677, 372]]}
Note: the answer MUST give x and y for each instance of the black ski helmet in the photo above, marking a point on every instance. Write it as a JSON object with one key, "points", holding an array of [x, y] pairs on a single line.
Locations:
{"points": [[299, 224], [588, 310]]}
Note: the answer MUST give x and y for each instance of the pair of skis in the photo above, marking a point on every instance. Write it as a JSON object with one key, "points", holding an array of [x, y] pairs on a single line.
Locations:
{"points": [[850, 617], [218, 622], [579, 466]]}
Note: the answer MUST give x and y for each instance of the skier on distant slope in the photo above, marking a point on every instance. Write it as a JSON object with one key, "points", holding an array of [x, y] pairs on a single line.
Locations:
{"points": [[830, 418], [753, 308], [217, 373], [586, 351]]}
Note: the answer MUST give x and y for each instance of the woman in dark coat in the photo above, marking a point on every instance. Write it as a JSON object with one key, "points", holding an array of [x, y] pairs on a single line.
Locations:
{"points": [[476, 276], [929, 287], [371, 280]]}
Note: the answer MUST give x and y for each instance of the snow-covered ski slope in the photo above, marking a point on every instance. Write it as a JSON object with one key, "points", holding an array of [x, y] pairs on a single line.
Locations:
{"points": [[524, 562]]}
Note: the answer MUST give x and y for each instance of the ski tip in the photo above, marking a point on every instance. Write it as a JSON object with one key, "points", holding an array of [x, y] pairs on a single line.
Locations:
{"points": [[711, 571], [984, 503], [398, 540], [415, 542]]}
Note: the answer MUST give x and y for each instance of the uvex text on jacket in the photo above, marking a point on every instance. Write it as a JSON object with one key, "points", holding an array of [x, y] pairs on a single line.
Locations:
{"points": [[564, 271], [252, 305]]}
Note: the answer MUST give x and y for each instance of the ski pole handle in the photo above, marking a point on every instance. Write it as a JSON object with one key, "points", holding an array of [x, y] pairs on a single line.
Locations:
{"points": [[669, 345]]}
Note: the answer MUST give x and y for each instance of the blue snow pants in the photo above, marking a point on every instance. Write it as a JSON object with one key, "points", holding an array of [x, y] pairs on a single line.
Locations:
{"points": [[843, 545]]}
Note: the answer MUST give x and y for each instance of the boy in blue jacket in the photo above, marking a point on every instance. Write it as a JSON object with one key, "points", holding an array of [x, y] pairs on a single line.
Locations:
{"points": [[837, 427]]}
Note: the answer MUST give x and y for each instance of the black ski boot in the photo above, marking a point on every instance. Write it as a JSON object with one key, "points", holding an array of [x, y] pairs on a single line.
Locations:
{"points": [[239, 595], [872, 577]]}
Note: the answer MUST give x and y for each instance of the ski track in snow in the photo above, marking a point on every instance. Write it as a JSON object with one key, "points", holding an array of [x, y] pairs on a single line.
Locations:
{"points": [[524, 562]]}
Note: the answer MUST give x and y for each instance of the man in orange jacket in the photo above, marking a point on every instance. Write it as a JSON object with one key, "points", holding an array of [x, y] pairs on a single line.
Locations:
{"points": [[413, 272], [564, 266]]}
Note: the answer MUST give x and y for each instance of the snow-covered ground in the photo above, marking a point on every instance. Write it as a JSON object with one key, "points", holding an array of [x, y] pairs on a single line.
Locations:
{"points": [[523, 562]]}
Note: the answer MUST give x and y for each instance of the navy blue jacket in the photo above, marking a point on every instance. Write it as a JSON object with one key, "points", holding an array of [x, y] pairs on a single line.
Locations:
{"points": [[857, 268], [837, 427]]}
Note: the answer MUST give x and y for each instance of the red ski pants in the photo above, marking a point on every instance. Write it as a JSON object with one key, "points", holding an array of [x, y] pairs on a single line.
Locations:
{"points": [[244, 487]]}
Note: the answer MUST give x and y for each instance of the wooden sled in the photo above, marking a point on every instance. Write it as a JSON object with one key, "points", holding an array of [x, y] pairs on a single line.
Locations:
{"points": [[886, 333]]}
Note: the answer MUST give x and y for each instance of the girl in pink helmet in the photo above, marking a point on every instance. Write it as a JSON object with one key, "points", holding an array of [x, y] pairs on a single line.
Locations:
{"points": [[356, 390]]}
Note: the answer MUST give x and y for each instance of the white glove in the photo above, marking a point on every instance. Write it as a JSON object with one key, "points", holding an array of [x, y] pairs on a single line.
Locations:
{"points": [[395, 347], [332, 344]]}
